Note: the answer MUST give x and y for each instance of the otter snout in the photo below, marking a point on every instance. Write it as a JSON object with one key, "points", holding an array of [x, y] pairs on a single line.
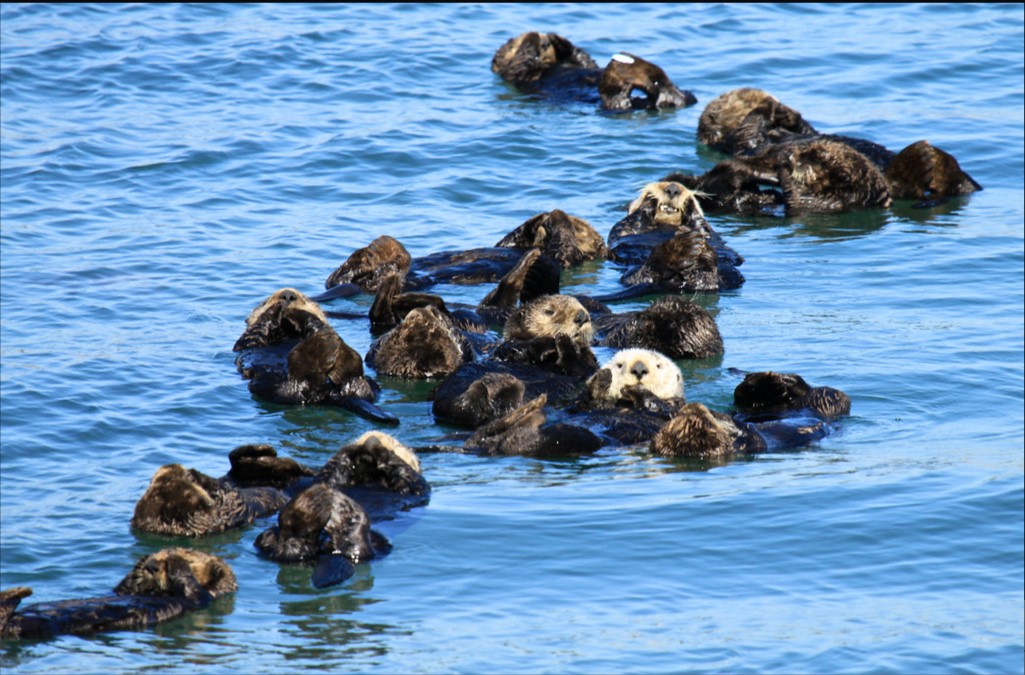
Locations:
{"points": [[639, 370]]}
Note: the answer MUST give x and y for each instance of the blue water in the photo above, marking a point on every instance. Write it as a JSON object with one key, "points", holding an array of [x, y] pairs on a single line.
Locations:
{"points": [[166, 167]]}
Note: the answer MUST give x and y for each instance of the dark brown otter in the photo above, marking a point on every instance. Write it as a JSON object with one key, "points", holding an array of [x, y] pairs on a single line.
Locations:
{"points": [[739, 109], [699, 433], [549, 64], [426, 344], [524, 431], [769, 395], [380, 473], [672, 325], [161, 586], [323, 527], [923, 171], [566, 239], [367, 267], [292, 356], [187, 503]]}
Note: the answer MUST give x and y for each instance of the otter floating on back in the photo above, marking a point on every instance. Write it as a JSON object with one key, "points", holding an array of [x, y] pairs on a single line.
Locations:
{"points": [[161, 586], [549, 64]]}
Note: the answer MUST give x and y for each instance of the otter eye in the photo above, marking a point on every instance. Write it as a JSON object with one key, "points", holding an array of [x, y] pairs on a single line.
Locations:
{"points": [[550, 312]]}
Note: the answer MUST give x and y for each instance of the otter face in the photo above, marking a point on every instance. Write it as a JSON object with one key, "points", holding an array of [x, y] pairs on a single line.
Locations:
{"points": [[627, 74], [286, 299], [551, 316], [670, 204], [644, 367]]}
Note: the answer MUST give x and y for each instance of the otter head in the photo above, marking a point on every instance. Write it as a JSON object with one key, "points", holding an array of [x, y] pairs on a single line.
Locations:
{"points": [[525, 59], [645, 368], [726, 114], [627, 74], [670, 205], [551, 316], [179, 572], [566, 239], [368, 267], [178, 501], [922, 171], [695, 431], [286, 315]]}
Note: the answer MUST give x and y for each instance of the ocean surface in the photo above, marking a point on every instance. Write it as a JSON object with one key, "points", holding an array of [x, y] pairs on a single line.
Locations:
{"points": [[166, 167]]}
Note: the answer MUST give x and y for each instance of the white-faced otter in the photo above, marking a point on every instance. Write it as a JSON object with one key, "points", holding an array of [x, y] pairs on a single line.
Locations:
{"points": [[644, 368], [671, 325], [292, 356], [161, 586], [699, 433], [549, 64], [187, 503], [769, 395], [324, 527], [426, 344]]}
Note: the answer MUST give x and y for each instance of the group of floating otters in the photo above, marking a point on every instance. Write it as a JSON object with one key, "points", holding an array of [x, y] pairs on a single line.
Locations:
{"points": [[535, 388]]}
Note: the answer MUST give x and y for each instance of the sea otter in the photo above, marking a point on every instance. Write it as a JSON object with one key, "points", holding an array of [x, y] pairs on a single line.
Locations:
{"points": [[380, 473], [671, 325], [669, 245], [922, 171], [770, 395], [184, 502], [549, 64], [425, 344], [525, 431], [161, 586], [697, 432], [292, 356], [324, 527], [563, 240], [633, 394], [721, 118]]}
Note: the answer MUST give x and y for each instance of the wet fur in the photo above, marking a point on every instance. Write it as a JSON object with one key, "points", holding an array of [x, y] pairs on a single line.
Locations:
{"points": [[161, 586]]}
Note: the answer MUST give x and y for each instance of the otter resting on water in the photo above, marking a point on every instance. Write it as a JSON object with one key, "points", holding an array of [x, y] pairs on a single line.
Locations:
{"points": [[549, 64], [161, 586]]}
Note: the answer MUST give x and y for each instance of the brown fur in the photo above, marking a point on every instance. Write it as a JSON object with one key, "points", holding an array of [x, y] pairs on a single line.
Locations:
{"points": [[672, 325], [551, 316], [426, 344], [524, 431], [186, 503], [719, 122], [369, 266], [922, 171], [161, 586], [626, 74], [526, 59], [827, 176], [566, 239], [769, 394], [286, 315], [695, 431], [684, 264], [485, 399]]}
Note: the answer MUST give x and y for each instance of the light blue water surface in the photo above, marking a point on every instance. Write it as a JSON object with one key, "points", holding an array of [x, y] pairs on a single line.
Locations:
{"points": [[166, 167]]}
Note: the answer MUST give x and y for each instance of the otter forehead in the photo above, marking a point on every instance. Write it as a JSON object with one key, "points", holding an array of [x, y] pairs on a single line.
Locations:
{"points": [[290, 298], [724, 113]]}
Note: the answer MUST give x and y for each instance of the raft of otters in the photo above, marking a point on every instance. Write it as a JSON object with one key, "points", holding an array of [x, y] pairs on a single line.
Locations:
{"points": [[516, 374]]}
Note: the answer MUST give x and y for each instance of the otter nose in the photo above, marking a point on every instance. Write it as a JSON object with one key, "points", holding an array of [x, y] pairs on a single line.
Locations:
{"points": [[581, 318], [673, 190], [639, 370], [289, 296]]}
